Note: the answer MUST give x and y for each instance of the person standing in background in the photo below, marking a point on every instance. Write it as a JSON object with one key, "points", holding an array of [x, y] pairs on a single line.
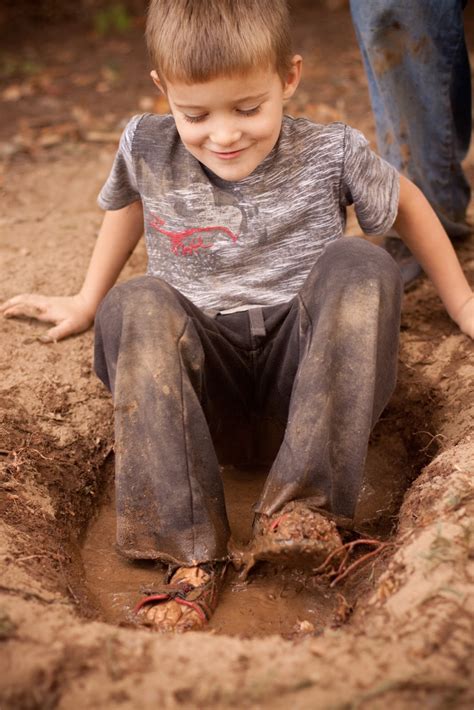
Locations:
{"points": [[419, 79]]}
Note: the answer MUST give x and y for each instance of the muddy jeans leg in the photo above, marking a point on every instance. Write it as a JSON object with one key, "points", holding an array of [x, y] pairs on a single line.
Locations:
{"points": [[153, 350], [419, 78], [348, 313]]}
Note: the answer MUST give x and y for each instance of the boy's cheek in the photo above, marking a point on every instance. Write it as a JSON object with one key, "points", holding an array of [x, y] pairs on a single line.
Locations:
{"points": [[188, 133], [185, 134], [192, 142]]}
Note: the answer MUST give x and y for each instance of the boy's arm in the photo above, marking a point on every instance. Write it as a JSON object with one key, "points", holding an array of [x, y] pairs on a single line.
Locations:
{"points": [[422, 232], [118, 236]]}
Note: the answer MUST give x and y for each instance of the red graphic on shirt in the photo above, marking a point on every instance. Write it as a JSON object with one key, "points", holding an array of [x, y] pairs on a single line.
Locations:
{"points": [[189, 241]]}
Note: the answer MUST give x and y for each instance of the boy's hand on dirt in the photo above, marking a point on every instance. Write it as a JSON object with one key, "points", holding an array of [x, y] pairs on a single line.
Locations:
{"points": [[465, 317], [69, 313]]}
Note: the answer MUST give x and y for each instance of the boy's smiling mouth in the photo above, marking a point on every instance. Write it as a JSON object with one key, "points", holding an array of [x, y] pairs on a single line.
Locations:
{"points": [[228, 154]]}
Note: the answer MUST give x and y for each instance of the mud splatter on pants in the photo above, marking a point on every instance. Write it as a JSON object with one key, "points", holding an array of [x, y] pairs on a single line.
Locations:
{"points": [[323, 365]]}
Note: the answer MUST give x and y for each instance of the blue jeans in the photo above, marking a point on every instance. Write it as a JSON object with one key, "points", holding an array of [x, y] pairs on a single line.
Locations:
{"points": [[420, 87]]}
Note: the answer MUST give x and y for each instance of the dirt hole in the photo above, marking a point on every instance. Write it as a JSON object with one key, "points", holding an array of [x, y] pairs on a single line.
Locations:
{"points": [[274, 600]]}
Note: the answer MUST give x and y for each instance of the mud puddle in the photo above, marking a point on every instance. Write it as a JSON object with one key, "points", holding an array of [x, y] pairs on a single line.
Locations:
{"points": [[272, 600]]}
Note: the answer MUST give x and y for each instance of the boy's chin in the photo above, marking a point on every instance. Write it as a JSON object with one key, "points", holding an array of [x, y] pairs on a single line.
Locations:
{"points": [[232, 173]]}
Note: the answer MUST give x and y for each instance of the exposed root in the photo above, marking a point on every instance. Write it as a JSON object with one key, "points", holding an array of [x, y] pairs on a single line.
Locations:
{"points": [[342, 570]]}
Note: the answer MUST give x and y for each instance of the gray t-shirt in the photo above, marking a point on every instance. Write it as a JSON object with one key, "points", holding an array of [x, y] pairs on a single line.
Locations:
{"points": [[226, 244]]}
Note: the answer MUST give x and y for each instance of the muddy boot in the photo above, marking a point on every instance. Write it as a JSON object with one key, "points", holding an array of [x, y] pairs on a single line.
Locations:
{"points": [[185, 602], [296, 536]]}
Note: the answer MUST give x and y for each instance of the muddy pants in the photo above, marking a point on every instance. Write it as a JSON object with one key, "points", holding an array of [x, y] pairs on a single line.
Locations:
{"points": [[323, 364], [417, 66]]}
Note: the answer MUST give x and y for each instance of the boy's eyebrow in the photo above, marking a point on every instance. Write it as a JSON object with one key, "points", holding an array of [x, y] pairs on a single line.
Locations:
{"points": [[255, 97]]}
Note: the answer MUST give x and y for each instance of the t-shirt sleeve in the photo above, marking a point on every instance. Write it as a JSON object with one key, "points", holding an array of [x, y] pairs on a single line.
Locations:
{"points": [[120, 188], [370, 184]]}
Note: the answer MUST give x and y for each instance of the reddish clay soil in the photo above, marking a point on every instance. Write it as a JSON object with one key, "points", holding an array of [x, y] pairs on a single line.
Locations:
{"points": [[396, 631]]}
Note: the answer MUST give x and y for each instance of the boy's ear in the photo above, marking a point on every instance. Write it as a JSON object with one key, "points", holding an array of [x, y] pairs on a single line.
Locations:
{"points": [[157, 82], [293, 77]]}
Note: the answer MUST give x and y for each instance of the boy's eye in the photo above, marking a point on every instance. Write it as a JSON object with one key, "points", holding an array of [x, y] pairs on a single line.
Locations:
{"points": [[249, 111], [194, 119], [202, 117]]}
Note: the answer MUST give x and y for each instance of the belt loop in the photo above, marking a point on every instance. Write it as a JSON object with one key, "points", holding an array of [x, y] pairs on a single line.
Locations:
{"points": [[257, 324]]}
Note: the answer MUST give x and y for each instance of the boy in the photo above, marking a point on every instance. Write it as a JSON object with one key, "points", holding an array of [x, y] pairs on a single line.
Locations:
{"points": [[254, 304]]}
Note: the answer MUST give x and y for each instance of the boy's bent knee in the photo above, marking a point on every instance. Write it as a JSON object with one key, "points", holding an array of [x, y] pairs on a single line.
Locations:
{"points": [[142, 294], [137, 288], [356, 259], [351, 268]]}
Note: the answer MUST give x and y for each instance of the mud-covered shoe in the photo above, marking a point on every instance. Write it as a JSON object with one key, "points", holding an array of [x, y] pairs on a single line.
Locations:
{"points": [[185, 602], [297, 536]]}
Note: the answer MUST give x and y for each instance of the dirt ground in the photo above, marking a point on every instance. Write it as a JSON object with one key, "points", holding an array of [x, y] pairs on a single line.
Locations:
{"points": [[397, 632]]}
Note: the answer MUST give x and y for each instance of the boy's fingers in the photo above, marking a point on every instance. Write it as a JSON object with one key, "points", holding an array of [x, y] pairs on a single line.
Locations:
{"points": [[7, 304], [57, 333], [28, 310], [21, 299]]}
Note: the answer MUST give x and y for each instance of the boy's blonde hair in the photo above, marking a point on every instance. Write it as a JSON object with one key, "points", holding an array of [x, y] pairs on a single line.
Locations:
{"points": [[193, 41]]}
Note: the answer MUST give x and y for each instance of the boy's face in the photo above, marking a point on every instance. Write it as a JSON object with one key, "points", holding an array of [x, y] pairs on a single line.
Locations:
{"points": [[230, 124]]}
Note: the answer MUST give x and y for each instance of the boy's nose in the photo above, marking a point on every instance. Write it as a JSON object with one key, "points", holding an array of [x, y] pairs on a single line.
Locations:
{"points": [[225, 136]]}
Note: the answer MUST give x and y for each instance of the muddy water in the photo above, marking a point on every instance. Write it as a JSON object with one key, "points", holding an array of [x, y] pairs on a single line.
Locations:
{"points": [[272, 601]]}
